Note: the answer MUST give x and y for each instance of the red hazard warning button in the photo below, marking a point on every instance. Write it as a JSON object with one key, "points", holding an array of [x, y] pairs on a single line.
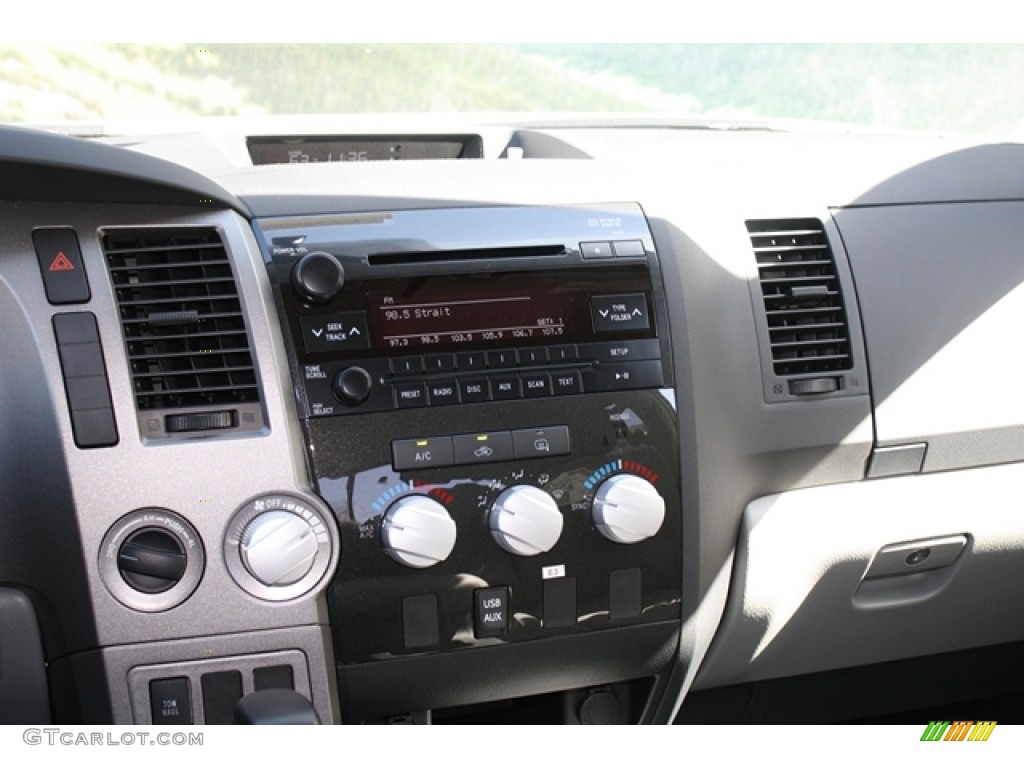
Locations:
{"points": [[60, 262]]}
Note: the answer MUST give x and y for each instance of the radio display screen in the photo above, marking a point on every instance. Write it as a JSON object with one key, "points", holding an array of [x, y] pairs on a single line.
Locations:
{"points": [[505, 308], [465, 318]]}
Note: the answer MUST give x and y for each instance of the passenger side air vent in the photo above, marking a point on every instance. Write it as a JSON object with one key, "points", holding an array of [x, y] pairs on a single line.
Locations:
{"points": [[184, 331], [808, 333]]}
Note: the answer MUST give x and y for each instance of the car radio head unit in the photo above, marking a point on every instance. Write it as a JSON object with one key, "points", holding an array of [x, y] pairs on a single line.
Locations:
{"points": [[486, 398], [398, 310]]}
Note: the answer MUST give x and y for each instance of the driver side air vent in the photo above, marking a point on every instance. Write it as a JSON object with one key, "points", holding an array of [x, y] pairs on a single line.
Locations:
{"points": [[184, 331], [808, 338]]}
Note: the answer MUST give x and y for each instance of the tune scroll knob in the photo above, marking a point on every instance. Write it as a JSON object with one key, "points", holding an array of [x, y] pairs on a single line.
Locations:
{"points": [[627, 509], [278, 548], [418, 532], [525, 521], [318, 277], [352, 386]]}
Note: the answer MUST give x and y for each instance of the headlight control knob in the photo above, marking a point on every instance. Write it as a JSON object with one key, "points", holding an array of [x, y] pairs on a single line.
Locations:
{"points": [[418, 532], [628, 509], [525, 520], [278, 548]]}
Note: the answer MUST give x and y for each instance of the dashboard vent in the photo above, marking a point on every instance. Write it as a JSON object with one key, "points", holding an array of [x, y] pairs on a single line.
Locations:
{"points": [[803, 302], [184, 329]]}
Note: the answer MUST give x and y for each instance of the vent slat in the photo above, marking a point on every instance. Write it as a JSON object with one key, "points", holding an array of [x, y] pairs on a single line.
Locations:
{"points": [[195, 372], [803, 305], [210, 316], [203, 360], [168, 247], [788, 248], [191, 354], [172, 283], [784, 233], [207, 299], [812, 343], [226, 389], [796, 279]]}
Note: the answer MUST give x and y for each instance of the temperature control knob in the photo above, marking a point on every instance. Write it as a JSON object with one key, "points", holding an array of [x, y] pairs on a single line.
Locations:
{"points": [[278, 548], [525, 520], [418, 532], [317, 277], [628, 509]]}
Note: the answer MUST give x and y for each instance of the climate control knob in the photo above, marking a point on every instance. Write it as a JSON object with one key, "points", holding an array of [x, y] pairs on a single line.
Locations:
{"points": [[628, 509], [525, 520], [418, 532], [278, 548]]}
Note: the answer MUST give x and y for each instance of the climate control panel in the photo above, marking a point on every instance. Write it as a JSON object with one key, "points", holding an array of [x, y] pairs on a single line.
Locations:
{"points": [[512, 532]]}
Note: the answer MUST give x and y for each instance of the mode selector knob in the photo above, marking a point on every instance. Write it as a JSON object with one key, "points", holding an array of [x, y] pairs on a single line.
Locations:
{"points": [[628, 509], [418, 532], [525, 520], [278, 548]]}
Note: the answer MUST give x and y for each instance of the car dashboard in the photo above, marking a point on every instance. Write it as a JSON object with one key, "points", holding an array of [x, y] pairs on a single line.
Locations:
{"points": [[562, 420]]}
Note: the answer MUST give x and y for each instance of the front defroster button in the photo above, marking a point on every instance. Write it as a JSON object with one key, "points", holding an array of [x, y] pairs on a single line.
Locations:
{"points": [[543, 441]]}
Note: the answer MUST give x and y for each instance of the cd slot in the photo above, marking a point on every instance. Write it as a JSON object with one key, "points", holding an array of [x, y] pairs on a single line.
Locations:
{"points": [[467, 254]]}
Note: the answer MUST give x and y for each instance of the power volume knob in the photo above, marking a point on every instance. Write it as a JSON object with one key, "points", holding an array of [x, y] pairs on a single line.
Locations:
{"points": [[628, 509], [278, 548], [418, 532], [525, 521], [317, 277]]}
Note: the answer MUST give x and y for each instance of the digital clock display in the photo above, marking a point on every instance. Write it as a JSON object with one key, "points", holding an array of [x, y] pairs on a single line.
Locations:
{"points": [[276, 150]]}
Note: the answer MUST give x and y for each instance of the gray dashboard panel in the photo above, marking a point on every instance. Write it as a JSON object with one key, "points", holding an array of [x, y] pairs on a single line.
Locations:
{"points": [[936, 329], [942, 301], [800, 604]]}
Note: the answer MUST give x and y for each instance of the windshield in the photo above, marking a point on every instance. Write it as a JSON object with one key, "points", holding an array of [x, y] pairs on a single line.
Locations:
{"points": [[947, 88]]}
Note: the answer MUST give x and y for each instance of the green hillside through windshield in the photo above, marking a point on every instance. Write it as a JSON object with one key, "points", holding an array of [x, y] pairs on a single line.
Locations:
{"points": [[973, 88]]}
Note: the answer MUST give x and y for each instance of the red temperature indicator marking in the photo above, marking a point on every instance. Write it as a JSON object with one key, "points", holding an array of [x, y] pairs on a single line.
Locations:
{"points": [[442, 496], [640, 469]]}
